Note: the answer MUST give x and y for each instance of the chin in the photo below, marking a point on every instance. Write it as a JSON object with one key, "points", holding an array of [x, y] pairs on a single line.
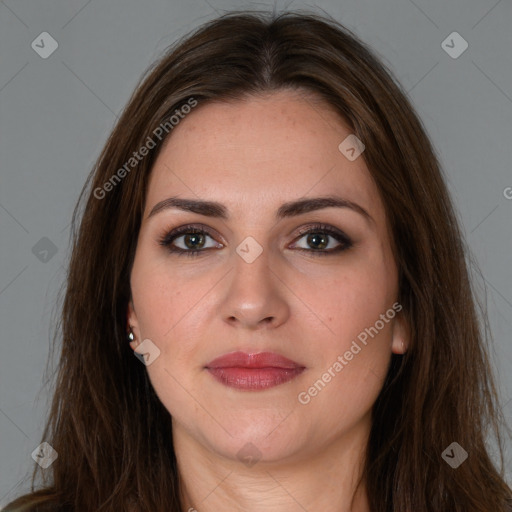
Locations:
{"points": [[261, 440]]}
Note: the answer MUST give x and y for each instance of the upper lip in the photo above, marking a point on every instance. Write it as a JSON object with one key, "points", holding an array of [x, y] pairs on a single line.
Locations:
{"points": [[255, 360]]}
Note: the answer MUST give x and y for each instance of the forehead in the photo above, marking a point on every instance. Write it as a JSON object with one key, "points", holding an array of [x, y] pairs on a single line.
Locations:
{"points": [[280, 146]]}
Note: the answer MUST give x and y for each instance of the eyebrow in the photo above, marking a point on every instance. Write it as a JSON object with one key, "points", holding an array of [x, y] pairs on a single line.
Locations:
{"points": [[290, 209]]}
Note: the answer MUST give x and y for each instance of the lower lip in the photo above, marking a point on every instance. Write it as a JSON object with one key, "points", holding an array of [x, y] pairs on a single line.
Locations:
{"points": [[254, 379]]}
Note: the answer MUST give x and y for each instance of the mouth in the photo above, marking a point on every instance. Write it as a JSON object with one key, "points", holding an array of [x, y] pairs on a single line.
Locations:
{"points": [[253, 372]]}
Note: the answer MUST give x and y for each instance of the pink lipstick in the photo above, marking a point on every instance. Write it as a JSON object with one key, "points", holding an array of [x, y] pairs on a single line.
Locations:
{"points": [[253, 372]]}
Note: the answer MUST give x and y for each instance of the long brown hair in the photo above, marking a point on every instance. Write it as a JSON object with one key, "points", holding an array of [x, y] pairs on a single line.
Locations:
{"points": [[112, 434]]}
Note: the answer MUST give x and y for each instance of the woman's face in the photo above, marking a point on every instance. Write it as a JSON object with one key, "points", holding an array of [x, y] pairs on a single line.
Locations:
{"points": [[260, 285]]}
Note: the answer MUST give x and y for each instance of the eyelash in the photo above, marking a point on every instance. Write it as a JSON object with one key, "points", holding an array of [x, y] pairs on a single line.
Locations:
{"points": [[324, 229]]}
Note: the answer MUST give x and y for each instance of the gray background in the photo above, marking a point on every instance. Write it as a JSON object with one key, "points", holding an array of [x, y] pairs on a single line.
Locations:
{"points": [[56, 113]]}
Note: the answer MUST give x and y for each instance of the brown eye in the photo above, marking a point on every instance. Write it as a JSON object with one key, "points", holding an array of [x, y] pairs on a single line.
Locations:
{"points": [[324, 240], [188, 240]]}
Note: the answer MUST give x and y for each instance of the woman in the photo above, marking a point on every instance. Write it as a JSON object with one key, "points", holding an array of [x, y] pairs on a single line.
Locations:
{"points": [[268, 231]]}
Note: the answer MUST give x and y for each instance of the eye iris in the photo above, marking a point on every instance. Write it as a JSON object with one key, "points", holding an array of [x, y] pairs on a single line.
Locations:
{"points": [[316, 238], [190, 238]]}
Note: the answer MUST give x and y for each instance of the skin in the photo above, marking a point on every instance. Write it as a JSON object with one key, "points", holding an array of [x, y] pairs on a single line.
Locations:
{"points": [[253, 155]]}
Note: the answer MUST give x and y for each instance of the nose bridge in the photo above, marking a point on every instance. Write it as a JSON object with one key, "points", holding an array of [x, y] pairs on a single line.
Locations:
{"points": [[253, 294], [251, 266]]}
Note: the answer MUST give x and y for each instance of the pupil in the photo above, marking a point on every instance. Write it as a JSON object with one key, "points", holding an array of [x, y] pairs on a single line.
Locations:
{"points": [[193, 237], [317, 237]]}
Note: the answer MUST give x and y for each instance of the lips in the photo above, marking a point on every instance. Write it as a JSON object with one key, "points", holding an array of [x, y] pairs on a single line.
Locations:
{"points": [[253, 372]]}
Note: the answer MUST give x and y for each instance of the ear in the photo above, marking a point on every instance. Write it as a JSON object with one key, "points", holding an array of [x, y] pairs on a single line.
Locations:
{"points": [[401, 334], [131, 318]]}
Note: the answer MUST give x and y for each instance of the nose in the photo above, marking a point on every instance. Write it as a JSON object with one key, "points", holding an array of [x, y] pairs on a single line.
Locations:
{"points": [[255, 294]]}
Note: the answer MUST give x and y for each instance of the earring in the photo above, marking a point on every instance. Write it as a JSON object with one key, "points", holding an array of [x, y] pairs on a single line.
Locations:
{"points": [[131, 336]]}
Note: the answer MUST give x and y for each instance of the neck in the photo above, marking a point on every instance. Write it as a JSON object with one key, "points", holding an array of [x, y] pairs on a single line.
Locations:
{"points": [[326, 480]]}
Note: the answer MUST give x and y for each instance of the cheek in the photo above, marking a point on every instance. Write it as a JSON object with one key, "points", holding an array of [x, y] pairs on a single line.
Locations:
{"points": [[354, 350], [348, 300], [171, 305], [157, 292], [167, 313]]}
